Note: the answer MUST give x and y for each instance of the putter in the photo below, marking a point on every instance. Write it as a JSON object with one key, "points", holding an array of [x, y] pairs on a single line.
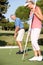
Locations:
{"points": [[29, 31]]}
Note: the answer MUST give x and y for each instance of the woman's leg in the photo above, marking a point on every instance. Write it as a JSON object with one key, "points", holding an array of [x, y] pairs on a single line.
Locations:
{"points": [[34, 40]]}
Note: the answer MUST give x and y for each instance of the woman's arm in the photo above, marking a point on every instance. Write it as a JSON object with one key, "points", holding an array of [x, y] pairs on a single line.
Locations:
{"points": [[38, 13]]}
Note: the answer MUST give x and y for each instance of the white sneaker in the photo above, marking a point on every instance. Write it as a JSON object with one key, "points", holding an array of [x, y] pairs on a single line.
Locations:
{"points": [[39, 58], [34, 58]]}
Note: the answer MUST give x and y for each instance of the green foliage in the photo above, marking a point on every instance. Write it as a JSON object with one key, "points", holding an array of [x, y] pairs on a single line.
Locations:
{"points": [[40, 41], [42, 31], [40, 4], [11, 25], [26, 26], [3, 8], [7, 25], [22, 12]]}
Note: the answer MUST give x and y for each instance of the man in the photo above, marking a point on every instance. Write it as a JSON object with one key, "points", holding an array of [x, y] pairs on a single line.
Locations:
{"points": [[19, 32], [35, 29]]}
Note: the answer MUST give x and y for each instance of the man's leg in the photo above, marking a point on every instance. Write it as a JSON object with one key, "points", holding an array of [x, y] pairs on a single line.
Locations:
{"points": [[20, 38], [20, 45]]}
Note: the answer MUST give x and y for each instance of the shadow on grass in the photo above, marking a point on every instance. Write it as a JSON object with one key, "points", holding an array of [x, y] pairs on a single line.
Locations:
{"points": [[6, 34], [42, 52], [29, 50], [3, 43]]}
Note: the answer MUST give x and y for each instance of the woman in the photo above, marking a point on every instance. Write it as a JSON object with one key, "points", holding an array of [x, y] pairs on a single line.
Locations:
{"points": [[35, 30]]}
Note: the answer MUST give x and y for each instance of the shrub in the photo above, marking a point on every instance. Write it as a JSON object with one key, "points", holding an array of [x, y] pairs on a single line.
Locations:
{"points": [[40, 41], [42, 30], [26, 26]]}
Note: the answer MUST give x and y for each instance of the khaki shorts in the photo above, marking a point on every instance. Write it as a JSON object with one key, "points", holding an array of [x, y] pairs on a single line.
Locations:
{"points": [[20, 35]]}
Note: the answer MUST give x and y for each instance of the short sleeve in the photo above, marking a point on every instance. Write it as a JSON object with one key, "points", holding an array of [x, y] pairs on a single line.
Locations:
{"points": [[17, 22]]}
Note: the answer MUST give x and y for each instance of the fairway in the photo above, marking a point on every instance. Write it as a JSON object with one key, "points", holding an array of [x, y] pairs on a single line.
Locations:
{"points": [[16, 59]]}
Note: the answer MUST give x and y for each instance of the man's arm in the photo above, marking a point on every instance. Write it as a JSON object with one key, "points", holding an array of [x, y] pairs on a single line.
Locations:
{"points": [[16, 31]]}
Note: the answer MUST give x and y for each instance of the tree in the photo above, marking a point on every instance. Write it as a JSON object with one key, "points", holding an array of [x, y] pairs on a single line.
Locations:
{"points": [[22, 12], [40, 4], [3, 8]]}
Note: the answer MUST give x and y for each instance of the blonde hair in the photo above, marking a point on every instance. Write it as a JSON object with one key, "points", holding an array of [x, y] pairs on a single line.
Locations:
{"points": [[29, 1]]}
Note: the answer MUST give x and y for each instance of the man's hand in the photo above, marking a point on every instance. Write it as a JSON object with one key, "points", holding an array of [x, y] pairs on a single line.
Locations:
{"points": [[16, 31], [15, 35]]}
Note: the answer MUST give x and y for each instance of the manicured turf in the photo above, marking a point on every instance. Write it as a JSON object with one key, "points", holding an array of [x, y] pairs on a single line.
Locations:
{"points": [[14, 59]]}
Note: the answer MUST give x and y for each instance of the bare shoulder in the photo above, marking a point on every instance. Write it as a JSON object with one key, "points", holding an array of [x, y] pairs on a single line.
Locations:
{"points": [[38, 8]]}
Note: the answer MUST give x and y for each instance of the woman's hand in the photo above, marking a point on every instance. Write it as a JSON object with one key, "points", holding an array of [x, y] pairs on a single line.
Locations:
{"points": [[33, 10]]}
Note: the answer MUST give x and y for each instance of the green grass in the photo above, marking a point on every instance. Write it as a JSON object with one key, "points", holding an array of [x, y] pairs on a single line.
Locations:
{"points": [[14, 59]]}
